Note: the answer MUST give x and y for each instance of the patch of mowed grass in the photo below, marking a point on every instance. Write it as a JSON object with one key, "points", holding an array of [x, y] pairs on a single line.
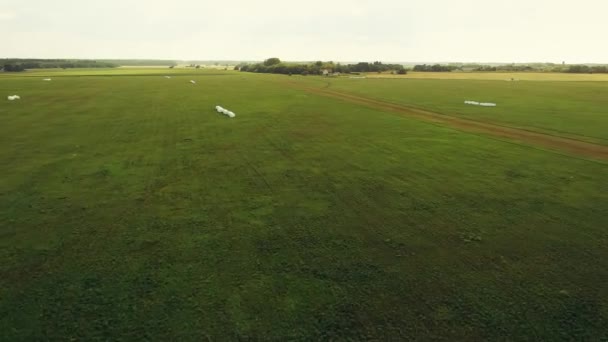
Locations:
{"points": [[130, 209], [572, 109]]}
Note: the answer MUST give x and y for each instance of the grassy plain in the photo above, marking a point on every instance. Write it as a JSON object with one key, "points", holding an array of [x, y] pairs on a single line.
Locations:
{"points": [[123, 71], [130, 209], [563, 108], [496, 76]]}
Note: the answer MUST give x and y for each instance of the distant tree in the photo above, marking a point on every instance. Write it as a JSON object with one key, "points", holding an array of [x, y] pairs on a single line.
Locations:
{"points": [[434, 68], [585, 69], [600, 69], [272, 61], [402, 72], [275, 66], [23, 64], [484, 68], [31, 65], [198, 66], [13, 67]]}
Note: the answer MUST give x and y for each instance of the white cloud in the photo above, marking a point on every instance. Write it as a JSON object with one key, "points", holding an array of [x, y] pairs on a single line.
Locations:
{"points": [[7, 15], [347, 30]]}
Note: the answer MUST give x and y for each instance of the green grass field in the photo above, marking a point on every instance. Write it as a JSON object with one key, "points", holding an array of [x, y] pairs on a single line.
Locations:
{"points": [[139, 71], [496, 76], [130, 209], [565, 108]]}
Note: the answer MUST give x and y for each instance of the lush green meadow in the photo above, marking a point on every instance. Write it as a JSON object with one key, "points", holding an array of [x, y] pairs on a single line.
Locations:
{"points": [[123, 71], [564, 108], [496, 76], [130, 209]]}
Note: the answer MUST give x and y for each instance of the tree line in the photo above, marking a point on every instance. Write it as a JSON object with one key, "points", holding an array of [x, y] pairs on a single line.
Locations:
{"points": [[575, 69], [276, 66], [434, 68], [139, 62], [532, 67], [16, 65], [585, 69]]}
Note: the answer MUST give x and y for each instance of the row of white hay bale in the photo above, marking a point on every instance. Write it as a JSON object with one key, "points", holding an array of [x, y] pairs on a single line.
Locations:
{"points": [[484, 104], [225, 111], [17, 97], [191, 81], [218, 108]]}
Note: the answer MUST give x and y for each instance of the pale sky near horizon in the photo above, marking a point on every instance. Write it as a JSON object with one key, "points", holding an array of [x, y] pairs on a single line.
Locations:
{"points": [[339, 30]]}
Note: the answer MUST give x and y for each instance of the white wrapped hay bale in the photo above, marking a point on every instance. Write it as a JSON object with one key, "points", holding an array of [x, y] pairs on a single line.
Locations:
{"points": [[484, 104], [14, 97], [225, 111], [46, 79], [193, 81], [167, 76]]}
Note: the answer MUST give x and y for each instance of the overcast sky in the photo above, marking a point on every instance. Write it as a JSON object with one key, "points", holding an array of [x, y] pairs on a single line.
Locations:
{"points": [[349, 30]]}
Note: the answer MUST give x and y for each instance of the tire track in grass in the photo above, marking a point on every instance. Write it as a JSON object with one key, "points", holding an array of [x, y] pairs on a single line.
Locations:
{"points": [[546, 141], [249, 164]]}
